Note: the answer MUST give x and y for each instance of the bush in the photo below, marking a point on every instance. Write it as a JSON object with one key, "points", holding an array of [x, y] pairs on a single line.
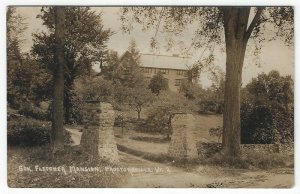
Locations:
{"points": [[210, 107], [30, 110], [266, 123], [158, 83], [216, 132], [119, 121], [28, 132], [161, 113], [76, 108], [159, 120], [97, 89], [267, 114]]}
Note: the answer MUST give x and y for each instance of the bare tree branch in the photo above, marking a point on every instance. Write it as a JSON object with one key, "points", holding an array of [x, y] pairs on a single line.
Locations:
{"points": [[159, 21], [254, 22]]}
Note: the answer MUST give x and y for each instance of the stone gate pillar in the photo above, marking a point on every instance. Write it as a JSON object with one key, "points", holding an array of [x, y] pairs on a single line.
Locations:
{"points": [[183, 142], [107, 147], [98, 136]]}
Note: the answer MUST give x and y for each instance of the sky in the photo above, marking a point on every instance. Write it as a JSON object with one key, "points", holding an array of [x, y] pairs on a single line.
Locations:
{"points": [[273, 56]]}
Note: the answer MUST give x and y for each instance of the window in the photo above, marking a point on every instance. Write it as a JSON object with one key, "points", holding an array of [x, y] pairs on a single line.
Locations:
{"points": [[180, 72], [163, 71], [185, 74], [147, 70], [178, 82]]}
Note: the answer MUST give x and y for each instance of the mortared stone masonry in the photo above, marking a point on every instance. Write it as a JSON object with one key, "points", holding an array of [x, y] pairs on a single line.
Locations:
{"points": [[98, 135]]}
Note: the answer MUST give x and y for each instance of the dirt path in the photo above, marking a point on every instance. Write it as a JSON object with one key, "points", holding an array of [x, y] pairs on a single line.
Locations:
{"points": [[167, 175], [75, 135], [202, 176]]}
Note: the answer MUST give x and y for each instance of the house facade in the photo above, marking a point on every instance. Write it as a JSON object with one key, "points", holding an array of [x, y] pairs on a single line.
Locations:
{"points": [[173, 68]]}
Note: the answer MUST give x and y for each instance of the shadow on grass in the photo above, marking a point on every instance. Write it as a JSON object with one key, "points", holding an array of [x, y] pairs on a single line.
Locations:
{"points": [[160, 158], [151, 139]]}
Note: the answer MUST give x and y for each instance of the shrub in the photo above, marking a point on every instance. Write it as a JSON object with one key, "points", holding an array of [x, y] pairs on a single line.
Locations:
{"points": [[119, 121], [191, 90], [159, 120], [216, 132], [30, 110], [158, 83], [266, 123], [28, 132], [161, 113], [97, 89], [76, 108], [267, 114]]}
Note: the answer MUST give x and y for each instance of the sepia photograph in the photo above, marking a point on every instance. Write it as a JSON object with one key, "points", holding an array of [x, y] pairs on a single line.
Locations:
{"points": [[150, 96]]}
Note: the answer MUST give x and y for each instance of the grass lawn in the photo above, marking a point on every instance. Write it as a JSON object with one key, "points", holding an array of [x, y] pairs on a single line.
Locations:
{"points": [[202, 125], [142, 141], [21, 159]]}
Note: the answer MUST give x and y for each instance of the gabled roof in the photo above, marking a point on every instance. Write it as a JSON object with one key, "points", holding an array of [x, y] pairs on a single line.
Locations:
{"points": [[165, 61]]}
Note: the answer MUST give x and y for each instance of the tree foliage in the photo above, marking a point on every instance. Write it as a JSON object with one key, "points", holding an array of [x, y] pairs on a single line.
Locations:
{"points": [[16, 80], [130, 86], [139, 97], [267, 109], [85, 44], [229, 26], [158, 83], [273, 87], [191, 90], [163, 109]]}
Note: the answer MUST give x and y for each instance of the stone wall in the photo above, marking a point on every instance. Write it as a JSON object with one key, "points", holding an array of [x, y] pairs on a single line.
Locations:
{"points": [[182, 145], [98, 136], [208, 149]]}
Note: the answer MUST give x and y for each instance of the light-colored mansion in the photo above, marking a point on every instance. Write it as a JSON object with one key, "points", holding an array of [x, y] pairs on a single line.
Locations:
{"points": [[174, 68]]}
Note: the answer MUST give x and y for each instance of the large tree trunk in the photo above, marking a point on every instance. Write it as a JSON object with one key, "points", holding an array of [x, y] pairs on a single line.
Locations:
{"points": [[68, 102], [58, 91], [235, 25]]}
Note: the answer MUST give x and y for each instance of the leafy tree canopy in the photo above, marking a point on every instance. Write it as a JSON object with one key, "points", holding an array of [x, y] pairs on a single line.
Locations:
{"points": [[85, 43], [158, 83]]}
